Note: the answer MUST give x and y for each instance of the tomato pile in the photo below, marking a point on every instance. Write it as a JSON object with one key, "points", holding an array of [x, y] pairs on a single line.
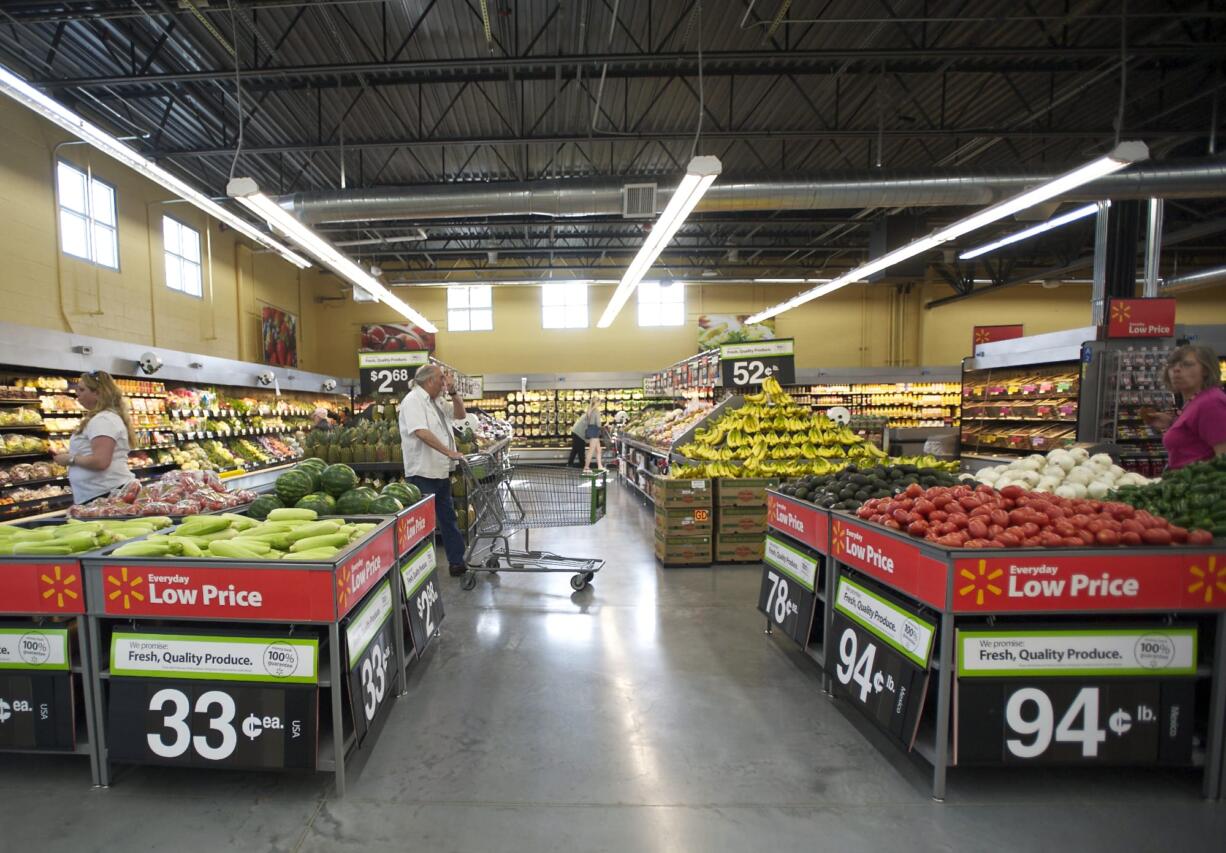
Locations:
{"points": [[965, 517]]}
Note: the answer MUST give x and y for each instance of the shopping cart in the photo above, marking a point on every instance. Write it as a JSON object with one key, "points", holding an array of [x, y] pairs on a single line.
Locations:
{"points": [[507, 498]]}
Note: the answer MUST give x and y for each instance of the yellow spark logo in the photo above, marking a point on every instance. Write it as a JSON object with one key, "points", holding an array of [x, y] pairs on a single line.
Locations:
{"points": [[1120, 311], [838, 537], [983, 336], [125, 586], [59, 586], [1207, 579], [980, 582], [342, 587]]}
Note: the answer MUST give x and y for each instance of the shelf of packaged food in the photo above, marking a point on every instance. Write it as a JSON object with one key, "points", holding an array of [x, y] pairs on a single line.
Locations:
{"points": [[6, 458], [1020, 398], [20, 427], [19, 401], [20, 508], [183, 414], [966, 417], [32, 483]]}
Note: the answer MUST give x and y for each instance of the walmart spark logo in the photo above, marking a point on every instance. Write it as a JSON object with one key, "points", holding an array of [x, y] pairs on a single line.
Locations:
{"points": [[59, 586], [126, 587], [981, 582], [837, 533], [983, 336], [1121, 311], [1207, 580], [342, 587]]}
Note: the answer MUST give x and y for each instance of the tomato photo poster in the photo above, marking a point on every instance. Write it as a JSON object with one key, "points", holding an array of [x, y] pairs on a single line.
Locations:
{"points": [[279, 332], [394, 337]]}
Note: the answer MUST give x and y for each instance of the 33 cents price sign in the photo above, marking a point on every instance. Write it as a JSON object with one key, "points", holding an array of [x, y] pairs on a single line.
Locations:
{"points": [[753, 362], [373, 674], [786, 595], [1109, 697], [389, 372], [881, 656], [419, 579]]}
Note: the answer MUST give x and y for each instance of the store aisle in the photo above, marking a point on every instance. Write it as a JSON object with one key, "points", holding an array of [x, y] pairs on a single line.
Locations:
{"points": [[649, 713]]}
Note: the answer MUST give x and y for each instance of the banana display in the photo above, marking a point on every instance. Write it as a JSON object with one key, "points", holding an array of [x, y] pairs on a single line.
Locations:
{"points": [[772, 436], [287, 534], [75, 536]]}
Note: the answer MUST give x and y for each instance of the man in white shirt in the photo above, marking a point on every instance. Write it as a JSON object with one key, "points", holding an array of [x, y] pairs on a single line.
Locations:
{"points": [[430, 451]]}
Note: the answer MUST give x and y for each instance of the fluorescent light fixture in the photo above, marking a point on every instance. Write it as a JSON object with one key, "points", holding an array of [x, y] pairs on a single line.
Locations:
{"points": [[699, 175], [247, 193], [1122, 155], [1062, 219], [55, 112]]}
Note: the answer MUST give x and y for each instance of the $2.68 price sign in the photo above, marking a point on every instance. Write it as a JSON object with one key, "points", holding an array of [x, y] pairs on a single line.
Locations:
{"points": [[213, 724], [382, 373], [373, 673], [419, 579], [1074, 721]]}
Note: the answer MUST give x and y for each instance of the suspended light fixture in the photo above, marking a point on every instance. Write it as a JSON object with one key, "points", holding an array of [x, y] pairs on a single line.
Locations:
{"points": [[247, 193], [1062, 219], [1124, 154], [699, 175], [58, 114]]}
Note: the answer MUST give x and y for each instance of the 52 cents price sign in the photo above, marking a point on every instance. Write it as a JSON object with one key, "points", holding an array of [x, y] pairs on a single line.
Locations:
{"points": [[419, 580], [373, 674], [753, 362], [389, 372]]}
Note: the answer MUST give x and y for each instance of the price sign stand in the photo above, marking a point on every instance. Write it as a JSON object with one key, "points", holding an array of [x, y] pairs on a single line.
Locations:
{"points": [[45, 659], [1112, 591], [416, 583], [794, 565], [308, 601]]}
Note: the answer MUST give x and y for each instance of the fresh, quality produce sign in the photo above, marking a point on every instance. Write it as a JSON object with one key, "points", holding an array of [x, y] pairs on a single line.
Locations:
{"points": [[279, 660], [34, 647]]}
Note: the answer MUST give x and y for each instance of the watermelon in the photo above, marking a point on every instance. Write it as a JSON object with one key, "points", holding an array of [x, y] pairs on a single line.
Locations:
{"points": [[293, 486], [338, 479], [322, 503], [264, 504], [314, 462], [406, 493], [312, 472], [385, 505], [368, 491], [353, 502]]}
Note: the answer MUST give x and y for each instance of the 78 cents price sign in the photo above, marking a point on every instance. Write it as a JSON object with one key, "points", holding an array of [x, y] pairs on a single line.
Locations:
{"points": [[786, 595], [384, 373], [753, 362]]}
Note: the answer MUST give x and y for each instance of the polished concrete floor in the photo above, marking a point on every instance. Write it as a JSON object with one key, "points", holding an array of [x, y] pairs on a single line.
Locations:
{"points": [[649, 713]]}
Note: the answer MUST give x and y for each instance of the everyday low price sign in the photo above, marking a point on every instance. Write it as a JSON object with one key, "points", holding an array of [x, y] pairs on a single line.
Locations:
{"points": [[752, 362], [787, 595], [1141, 318], [799, 520], [389, 372]]}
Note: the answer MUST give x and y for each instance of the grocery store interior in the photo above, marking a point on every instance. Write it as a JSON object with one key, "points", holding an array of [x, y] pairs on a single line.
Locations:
{"points": [[612, 424]]}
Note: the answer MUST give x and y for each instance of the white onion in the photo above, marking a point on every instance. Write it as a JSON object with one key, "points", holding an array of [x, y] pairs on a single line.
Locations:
{"points": [[1098, 490], [1102, 460], [1081, 475], [1080, 454], [1047, 484], [1068, 490]]}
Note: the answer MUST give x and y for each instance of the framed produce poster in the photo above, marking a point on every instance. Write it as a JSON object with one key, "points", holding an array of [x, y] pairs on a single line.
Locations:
{"points": [[718, 329], [395, 337], [279, 332]]}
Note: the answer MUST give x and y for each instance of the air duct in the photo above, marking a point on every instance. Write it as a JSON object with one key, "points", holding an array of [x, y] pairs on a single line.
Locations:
{"points": [[1193, 281], [1191, 179]]}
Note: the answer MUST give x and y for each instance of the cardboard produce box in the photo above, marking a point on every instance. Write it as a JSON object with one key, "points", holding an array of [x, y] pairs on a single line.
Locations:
{"points": [[741, 520], [735, 492], [683, 550], [739, 549], [670, 493], [696, 521]]}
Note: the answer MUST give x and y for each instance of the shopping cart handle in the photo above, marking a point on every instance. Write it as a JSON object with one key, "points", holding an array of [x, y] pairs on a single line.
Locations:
{"points": [[475, 460]]}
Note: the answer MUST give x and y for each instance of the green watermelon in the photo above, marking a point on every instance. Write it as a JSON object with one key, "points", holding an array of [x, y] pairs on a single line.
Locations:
{"points": [[312, 472], [338, 479], [323, 504], [293, 486], [353, 502], [314, 462], [385, 505], [368, 491], [406, 493], [264, 504]]}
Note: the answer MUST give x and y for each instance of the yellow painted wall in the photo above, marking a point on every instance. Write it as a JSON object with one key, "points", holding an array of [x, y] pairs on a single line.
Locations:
{"points": [[41, 286]]}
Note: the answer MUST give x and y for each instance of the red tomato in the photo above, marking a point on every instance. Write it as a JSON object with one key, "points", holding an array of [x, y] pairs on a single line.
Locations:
{"points": [[949, 541], [999, 516], [1086, 536], [917, 528], [1013, 492], [938, 516], [994, 530], [1200, 538], [924, 507], [1096, 524], [1156, 536], [1080, 520], [1048, 539], [1073, 542], [976, 543], [1032, 542], [1107, 537], [1030, 529], [969, 502], [942, 501], [983, 511], [902, 517], [1179, 535], [977, 528], [1131, 525], [892, 524], [959, 518], [914, 490], [1009, 540], [1064, 528], [1129, 537]]}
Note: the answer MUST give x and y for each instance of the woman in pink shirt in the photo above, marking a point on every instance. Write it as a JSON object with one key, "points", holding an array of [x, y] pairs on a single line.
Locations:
{"points": [[1198, 431]]}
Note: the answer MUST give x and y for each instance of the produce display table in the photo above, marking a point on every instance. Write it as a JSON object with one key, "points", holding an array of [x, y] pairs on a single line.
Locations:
{"points": [[1038, 656], [45, 660], [223, 663]]}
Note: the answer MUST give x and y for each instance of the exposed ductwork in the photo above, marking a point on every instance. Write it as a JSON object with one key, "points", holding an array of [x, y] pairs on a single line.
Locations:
{"points": [[1193, 281], [1189, 179]]}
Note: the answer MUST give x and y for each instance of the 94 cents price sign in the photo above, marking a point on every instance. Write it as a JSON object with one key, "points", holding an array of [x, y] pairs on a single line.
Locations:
{"points": [[384, 373], [419, 580]]}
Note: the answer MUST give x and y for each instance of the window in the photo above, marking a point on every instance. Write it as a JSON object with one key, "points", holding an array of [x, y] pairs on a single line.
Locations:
{"points": [[660, 305], [88, 222], [182, 246], [564, 306], [469, 308]]}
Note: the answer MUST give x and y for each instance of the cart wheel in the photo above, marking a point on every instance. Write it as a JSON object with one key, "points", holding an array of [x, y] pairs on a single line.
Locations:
{"points": [[578, 582], [492, 563], [470, 580], [588, 577]]}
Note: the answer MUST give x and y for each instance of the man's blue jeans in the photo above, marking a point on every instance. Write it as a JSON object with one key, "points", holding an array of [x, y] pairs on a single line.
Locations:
{"points": [[444, 513]]}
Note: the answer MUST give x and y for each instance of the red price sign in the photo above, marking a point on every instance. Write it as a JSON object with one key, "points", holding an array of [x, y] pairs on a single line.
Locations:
{"points": [[1141, 318]]}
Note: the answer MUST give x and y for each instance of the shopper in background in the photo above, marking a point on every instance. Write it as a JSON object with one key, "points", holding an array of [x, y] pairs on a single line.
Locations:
{"points": [[320, 420], [591, 432], [1198, 430], [429, 448], [97, 456], [578, 441]]}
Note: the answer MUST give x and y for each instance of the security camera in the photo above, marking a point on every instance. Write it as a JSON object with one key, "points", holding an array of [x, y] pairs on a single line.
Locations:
{"points": [[83, 349], [266, 378], [330, 385], [149, 363]]}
